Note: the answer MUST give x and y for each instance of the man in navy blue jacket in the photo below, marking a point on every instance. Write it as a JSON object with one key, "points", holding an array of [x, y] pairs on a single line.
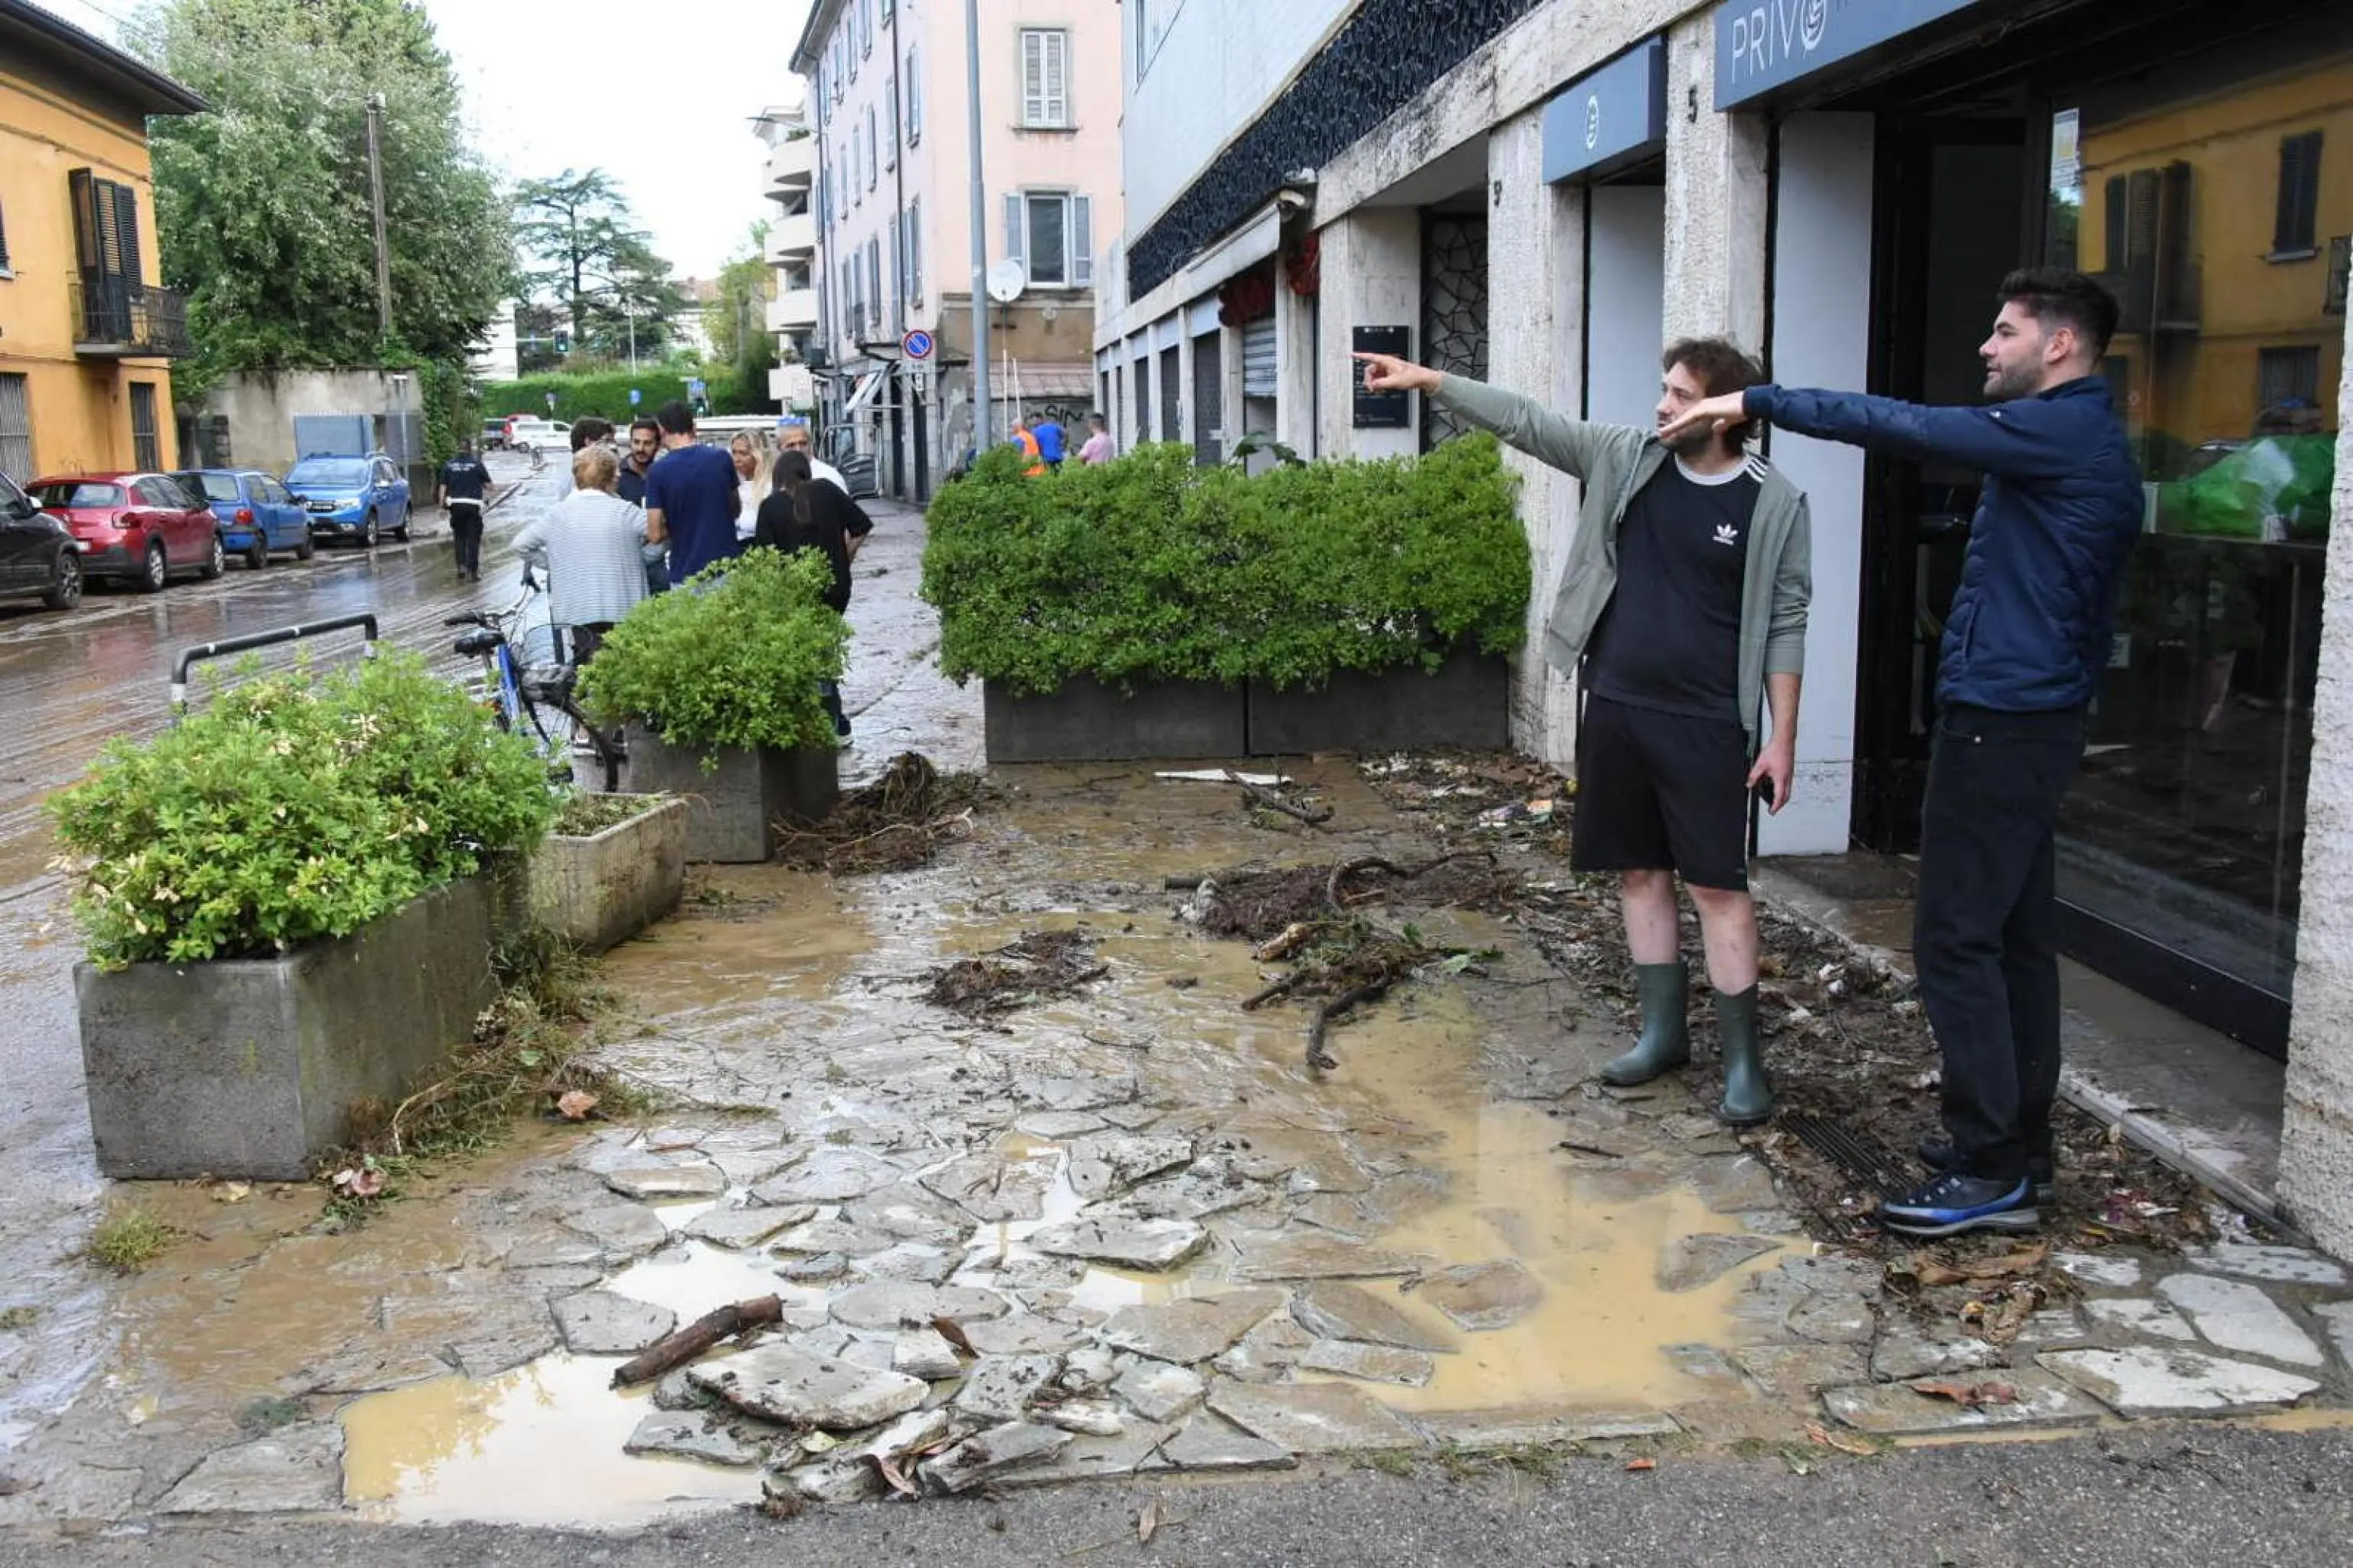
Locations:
{"points": [[2024, 644]]}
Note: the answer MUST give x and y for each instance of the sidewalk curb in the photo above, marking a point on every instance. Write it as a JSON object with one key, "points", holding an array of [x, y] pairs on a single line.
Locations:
{"points": [[2150, 1134]]}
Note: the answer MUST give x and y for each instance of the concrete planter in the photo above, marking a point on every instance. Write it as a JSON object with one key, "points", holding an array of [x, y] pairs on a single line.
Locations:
{"points": [[731, 811], [249, 1067], [1467, 703], [1086, 721], [605, 887]]}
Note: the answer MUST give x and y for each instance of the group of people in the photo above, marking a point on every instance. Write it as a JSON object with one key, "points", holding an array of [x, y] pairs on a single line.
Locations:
{"points": [[640, 522], [1682, 613], [1042, 440]]}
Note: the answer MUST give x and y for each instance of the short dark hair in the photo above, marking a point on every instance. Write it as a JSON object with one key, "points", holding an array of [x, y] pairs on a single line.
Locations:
{"points": [[675, 419], [645, 422], [591, 428], [1717, 362], [2057, 297]]}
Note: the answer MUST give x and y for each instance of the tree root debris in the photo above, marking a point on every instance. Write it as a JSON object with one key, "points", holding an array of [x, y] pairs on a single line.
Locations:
{"points": [[896, 823], [1041, 964]]}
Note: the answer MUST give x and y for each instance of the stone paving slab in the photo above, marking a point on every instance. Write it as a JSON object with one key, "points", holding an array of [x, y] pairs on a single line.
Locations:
{"points": [[2146, 1380], [1531, 1429], [2238, 1315], [1159, 1390], [1206, 1442], [690, 1435], [1477, 1296], [599, 1323], [1337, 1310], [793, 1388], [1125, 1241], [1893, 1410], [899, 1306], [2280, 1265], [1135, 1449], [1313, 1256], [1313, 1418], [298, 1471], [663, 1183], [740, 1228]]}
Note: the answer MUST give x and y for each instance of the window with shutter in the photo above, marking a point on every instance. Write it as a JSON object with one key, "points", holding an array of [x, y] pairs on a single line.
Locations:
{"points": [[873, 150], [874, 283], [1083, 242], [1015, 240], [891, 127], [2295, 231], [1049, 252], [1045, 77], [915, 251], [914, 100]]}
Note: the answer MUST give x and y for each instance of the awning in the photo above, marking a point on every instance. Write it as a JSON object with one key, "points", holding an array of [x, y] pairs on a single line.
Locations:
{"points": [[867, 386], [1034, 379]]}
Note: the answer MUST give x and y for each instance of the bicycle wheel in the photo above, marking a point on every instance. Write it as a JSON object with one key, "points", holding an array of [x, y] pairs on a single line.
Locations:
{"points": [[602, 755], [576, 751]]}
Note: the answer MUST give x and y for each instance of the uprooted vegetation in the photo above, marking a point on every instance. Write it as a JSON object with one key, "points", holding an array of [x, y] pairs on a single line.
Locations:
{"points": [[1040, 965], [896, 823]]}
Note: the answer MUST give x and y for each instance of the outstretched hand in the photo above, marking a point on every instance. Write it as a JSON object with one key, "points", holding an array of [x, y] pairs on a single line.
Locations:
{"points": [[1714, 415], [1388, 373]]}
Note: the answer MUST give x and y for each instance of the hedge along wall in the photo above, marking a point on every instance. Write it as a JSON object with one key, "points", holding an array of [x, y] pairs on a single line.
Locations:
{"points": [[607, 393], [1150, 568]]}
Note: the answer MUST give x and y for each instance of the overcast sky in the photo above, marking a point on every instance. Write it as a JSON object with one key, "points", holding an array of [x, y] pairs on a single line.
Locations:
{"points": [[660, 95]]}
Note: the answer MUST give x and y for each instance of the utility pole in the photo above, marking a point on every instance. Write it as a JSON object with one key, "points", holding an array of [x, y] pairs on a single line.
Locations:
{"points": [[376, 193], [980, 409]]}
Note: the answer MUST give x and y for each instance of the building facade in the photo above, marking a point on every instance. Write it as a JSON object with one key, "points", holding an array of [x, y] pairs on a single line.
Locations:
{"points": [[790, 182], [894, 208], [87, 334], [1539, 192]]}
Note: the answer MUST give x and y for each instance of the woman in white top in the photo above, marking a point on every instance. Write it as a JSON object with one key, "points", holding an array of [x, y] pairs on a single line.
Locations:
{"points": [[588, 546], [750, 483]]}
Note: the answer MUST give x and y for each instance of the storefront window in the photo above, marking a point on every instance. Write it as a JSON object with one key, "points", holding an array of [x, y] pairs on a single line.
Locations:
{"points": [[2220, 213]]}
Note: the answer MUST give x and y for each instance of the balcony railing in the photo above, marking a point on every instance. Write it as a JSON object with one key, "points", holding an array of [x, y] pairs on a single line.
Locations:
{"points": [[113, 319]]}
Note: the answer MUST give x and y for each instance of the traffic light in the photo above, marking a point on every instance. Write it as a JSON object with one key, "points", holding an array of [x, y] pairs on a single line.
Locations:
{"points": [[562, 341]]}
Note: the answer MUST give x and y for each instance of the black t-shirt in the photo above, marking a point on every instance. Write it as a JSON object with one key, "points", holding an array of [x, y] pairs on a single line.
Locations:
{"points": [[465, 478], [833, 521], [1670, 639], [632, 485]]}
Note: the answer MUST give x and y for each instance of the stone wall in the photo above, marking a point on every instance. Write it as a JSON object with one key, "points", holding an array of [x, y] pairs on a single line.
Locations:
{"points": [[260, 410]]}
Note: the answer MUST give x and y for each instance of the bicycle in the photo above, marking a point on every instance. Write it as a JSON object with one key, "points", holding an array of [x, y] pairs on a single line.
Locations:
{"points": [[533, 698]]}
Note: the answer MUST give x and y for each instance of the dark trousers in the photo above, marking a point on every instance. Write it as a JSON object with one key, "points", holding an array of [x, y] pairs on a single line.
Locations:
{"points": [[1985, 933], [466, 532]]}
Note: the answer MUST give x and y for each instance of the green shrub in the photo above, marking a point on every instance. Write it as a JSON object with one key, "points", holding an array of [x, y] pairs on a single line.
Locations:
{"points": [[731, 660], [603, 393], [297, 805], [1151, 568]]}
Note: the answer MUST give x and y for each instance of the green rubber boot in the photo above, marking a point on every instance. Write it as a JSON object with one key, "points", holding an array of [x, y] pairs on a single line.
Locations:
{"points": [[1747, 1096], [1665, 1040]]}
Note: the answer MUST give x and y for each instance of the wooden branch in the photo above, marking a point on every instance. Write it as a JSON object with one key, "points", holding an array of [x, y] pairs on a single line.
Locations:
{"points": [[685, 1344]]}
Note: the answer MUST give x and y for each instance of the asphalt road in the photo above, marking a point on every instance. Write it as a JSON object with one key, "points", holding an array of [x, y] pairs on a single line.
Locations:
{"points": [[2185, 1495]]}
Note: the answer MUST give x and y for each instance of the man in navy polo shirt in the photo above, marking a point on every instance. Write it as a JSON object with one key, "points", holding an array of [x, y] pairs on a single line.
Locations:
{"points": [[690, 498]]}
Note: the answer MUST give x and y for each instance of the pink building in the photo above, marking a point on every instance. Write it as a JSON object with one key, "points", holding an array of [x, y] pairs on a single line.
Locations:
{"points": [[893, 204]]}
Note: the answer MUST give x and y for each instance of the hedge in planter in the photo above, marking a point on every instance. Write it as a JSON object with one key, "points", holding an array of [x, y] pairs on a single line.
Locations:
{"points": [[720, 682], [1148, 570], [284, 913]]}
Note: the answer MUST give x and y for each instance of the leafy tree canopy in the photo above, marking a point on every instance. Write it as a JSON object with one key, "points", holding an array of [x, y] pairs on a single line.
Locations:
{"points": [[588, 256]]}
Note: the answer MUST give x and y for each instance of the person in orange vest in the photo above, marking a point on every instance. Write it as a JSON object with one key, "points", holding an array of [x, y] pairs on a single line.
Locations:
{"points": [[1027, 442]]}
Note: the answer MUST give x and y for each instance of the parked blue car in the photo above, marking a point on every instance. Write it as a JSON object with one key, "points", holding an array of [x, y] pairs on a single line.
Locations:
{"points": [[362, 498], [256, 514]]}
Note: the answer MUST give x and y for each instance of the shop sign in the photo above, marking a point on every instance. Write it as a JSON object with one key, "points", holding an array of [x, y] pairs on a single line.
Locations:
{"points": [[1380, 410], [1609, 117], [1762, 45]]}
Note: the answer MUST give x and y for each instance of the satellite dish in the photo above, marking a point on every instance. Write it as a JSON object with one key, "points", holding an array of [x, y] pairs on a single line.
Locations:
{"points": [[1006, 280]]}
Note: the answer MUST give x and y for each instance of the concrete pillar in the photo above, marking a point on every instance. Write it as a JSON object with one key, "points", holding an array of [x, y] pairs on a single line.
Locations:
{"points": [[1296, 371], [1535, 282], [2316, 1141], [1231, 426], [1372, 277], [1715, 198]]}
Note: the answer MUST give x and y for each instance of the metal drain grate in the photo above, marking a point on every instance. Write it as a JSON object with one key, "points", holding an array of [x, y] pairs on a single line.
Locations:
{"points": [[1874, 1166]]}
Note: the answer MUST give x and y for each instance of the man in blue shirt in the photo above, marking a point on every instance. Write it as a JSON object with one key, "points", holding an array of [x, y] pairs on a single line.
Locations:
{"points": [[2025, 642], [1048, 432], [690, 498]]}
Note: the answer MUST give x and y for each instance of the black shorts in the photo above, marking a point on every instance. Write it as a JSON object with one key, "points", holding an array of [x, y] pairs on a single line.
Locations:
{"points": [[1659, 792]]}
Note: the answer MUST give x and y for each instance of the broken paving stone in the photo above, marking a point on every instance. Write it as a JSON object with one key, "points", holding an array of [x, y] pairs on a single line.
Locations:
{"points": [[1074, 1094], [1829, 1319], [664, 1183], [1893, 1410], [1333, 1309], [1303, 1159], [1088, 1369], [1267, 1353], [485, 1356], [2133, 1315], [599, 1323], [1689, 1262], [813, 1238], [1769, 1222], [687, 1435], [909, 1213], [1479, 1430], [1799, 1372], [1133, 1117], [992, 1190], [989, 1455], [894, 1306], [787, 1386], [1024, 1334], [740, 1228], [631, 1229], [1903, 1352], [1702, 1364], [1207, 1187], [1734, 1183], [1313, 1418], [830, 1176], [1339, 1212], [1483, 1295], [298, 1471], [558, 1252], [1057, 1127], [1850, 1275], [2051, 1326], [2278, 1265], [1126, 1241], [925, 1353], [1368, 1363], [1159, 1392], [1034, 1271], [2240, 1317], [1100, 1167], [2113, 1271], [813, 1268], [2338, 1315], [1091, 1458], [1316, 1256], [999, 1388], [1087, 1418], [1208, 1443], [676, 1391], [2151, 1380], [750, 1167], [1195, 1328], [909, 1261]]}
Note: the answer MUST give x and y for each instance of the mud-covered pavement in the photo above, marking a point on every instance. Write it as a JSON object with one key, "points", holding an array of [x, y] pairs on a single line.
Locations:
{"points": [[1121, 1230]]}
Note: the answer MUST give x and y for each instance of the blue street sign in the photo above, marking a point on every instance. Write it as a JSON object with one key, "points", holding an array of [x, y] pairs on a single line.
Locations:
{"points": [[695, 388], [636, 397], [916, 344], [551, 402]]}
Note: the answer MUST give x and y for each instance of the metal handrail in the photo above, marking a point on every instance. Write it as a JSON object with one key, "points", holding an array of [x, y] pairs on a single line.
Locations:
{"points": [[365, 624]]}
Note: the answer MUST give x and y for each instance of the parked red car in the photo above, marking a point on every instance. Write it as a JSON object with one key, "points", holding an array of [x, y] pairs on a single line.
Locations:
{"points": [[138, 528]]}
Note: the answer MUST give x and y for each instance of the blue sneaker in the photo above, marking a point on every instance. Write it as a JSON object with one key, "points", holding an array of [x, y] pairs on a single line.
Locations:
{"points": [[1953, 1202]]}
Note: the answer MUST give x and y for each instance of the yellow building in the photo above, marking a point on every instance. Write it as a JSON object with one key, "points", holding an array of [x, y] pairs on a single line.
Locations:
{"points": [[86, 333]]}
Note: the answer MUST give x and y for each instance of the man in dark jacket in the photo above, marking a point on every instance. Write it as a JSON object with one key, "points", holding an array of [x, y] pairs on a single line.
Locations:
{"points": [[2024, 644]]}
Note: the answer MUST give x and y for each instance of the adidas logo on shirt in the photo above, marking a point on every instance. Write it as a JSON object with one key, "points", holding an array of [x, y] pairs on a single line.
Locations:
{"points": [[1726, 534]]}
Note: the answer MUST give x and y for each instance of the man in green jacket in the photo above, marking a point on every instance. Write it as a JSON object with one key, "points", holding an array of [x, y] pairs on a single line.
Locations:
{"points": [[1682, 613]]}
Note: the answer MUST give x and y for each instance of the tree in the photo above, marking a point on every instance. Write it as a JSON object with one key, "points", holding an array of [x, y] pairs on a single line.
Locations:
{"points": [[263, 204], [602, 268], [741, 347]]}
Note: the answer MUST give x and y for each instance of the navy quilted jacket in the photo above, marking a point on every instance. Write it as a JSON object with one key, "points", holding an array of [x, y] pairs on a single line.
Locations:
{"points": [[2060, 510]]}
